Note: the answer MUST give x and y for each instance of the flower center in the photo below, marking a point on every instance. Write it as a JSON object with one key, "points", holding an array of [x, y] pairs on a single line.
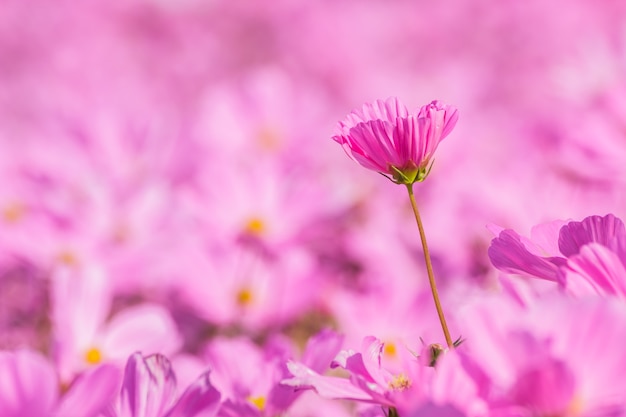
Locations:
{"points": [[244, 297], [255, 226], [258, 402], [400, 383], [121, 234], [66, 257], [575, 407], [93, 356], [268, 138], [13, 212], [390, 350]]}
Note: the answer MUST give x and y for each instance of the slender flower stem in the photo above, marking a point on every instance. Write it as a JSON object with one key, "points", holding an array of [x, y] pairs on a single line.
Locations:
{"points": [[429, 268]]}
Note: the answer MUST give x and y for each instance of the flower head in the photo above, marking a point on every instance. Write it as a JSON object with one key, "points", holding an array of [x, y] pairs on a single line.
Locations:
{"points": [[385, 137], [149, 390], [377, 376], [586, 257]]}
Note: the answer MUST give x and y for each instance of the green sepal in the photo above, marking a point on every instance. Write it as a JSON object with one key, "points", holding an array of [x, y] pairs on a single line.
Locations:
{"points": [[409, 175]]}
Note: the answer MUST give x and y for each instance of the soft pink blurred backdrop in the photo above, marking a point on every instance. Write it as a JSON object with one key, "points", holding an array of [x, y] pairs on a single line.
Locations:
{"points": [[172, 160]]}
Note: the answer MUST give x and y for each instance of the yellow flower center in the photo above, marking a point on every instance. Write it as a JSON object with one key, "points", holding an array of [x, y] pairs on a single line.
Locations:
{"points": [[67, 258], [255, 226], [268, 138], [244, 297], [400, 383], [575, 407], [259, 402], [13, 213], [93, 356], [390, 350]]}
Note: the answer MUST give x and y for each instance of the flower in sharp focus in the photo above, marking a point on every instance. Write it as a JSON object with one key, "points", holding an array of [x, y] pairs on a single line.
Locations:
{"points": [[385, 137], [391, 379]]}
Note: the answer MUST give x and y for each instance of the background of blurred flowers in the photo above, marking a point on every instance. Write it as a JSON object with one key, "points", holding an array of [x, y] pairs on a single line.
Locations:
{"points": [[168, 182]]}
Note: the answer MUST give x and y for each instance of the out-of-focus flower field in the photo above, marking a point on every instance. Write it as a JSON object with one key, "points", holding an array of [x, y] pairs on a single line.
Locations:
{"points": [[180, 236]]}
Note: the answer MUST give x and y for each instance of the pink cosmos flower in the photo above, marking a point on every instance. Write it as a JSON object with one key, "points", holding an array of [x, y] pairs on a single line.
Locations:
{"points": [[562, 356], [586, 257], [596, 270], [385, 137], [537, 256], [149, 390], [240, 287], [83, 336], [29, 388], [269, 206], [452, 392], [379, 374], [248, 378]]}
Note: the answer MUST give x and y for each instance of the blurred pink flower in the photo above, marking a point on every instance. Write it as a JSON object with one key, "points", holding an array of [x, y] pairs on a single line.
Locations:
{"points": [[266, 115], [384, 137], [29, 388], [310, 404], [537, 361], [240, 287], [361, 314], [269, 206], [248, 378], [84, 336], [453, 391]]}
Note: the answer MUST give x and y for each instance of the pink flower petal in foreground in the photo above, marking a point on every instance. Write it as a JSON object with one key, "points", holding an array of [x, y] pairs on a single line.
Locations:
{"points": [[560, 357], [385, 137], [29, 388], [149, 390], [595, 270], [27, 384], [397, 381]]}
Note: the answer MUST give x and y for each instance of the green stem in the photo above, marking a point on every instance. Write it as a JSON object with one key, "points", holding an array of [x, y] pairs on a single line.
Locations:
{"points": [[429, 268]]}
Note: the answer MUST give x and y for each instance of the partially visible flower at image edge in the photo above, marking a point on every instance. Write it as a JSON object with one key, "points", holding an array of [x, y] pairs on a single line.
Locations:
{"points": [[384, 137]]}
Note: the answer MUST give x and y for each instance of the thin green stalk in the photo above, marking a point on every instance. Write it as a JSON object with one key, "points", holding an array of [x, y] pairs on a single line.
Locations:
{"points": [[429, 268]]}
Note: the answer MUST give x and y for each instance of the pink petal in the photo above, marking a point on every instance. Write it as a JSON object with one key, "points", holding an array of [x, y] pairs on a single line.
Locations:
{"points": [[321, 349], [149, 386], [200, 397], [325, 386], [28, 384], [91, 392], [509, 254], [602, 230], [548, 388], [595, 270], [146, 328], [352, 362]]}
